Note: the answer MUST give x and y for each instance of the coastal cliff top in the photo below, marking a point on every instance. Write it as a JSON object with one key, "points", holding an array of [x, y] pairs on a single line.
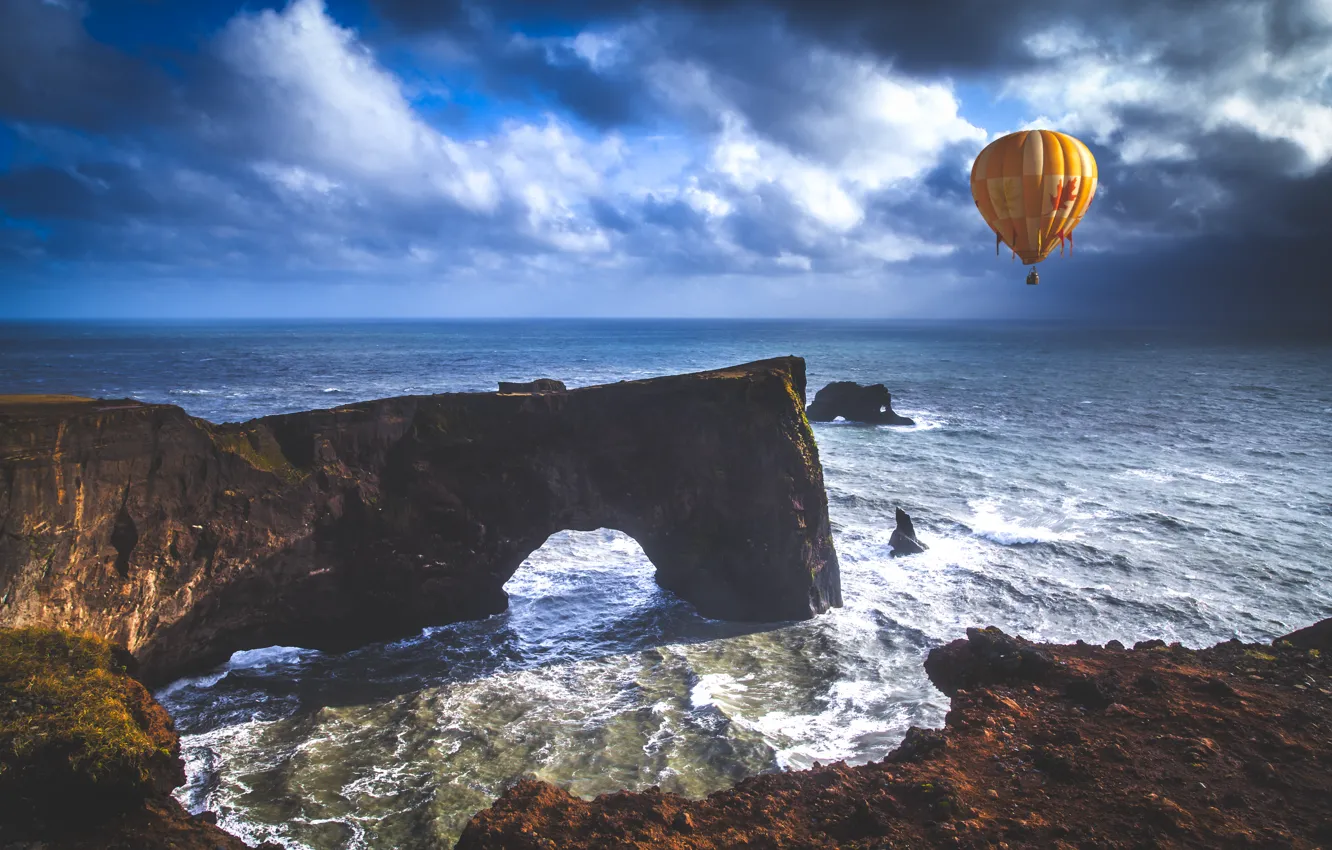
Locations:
{"points": [[30, 406], [57, 406], [1045, 746]]}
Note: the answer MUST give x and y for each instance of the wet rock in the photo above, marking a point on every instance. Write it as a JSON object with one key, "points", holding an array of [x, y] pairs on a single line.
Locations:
{"points": [[904, 541], [1114, 645], [540, 385], [1155, 643], [855, 403]]}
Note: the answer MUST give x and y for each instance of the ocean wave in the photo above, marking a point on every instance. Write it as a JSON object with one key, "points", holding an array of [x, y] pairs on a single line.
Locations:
{"points": [[925, 421], [1217, 476], [987, 522], [247, 659], [190, 392], [1160, 476], [333, 390]]}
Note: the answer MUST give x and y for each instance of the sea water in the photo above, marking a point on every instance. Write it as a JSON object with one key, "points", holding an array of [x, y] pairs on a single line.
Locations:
{"points": [[1070, 483]]}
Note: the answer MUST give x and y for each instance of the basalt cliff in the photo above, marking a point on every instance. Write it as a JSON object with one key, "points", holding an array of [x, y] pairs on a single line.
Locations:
{"points": [[183, 541]]}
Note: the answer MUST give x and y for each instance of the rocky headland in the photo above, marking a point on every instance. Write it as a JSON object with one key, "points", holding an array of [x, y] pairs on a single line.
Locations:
{"points": [[183, 541]]}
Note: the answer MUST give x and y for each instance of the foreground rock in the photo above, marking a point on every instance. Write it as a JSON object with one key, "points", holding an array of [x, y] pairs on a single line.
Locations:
{"points": [[88, 759], [856, 403], [904, 540], [186, 541], [1045, 747]]}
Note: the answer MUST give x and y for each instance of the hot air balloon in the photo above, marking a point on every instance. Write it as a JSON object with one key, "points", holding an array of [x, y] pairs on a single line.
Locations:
{"points": [[1033, 187]]}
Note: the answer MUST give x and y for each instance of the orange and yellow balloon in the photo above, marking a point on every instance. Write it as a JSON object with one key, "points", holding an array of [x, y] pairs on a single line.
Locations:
{"points": [[1033, 188]]}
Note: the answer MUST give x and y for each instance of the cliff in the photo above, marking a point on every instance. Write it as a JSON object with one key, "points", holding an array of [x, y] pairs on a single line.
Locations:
{"points": [[1045, 747], [88, 759], [184, 541]]}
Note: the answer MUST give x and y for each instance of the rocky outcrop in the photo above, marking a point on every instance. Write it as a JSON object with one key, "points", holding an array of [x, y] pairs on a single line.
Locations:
{"points": [[88, 759], [540, 385], [904, 540], [185, 541], [856, 403], [1044, 746], [1318, 636]]}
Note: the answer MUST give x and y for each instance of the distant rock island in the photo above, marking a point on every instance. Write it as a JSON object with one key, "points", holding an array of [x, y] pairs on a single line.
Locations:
{"points": [[185, 541], [856, 403]]}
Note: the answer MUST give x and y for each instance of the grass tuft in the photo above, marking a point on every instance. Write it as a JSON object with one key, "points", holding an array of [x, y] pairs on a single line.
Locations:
{"points": [[73, 722]]}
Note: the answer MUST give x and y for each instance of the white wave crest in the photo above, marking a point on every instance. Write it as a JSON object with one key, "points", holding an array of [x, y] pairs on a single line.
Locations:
{"points": [[1160, 476], [925, 421], [987, 522]]}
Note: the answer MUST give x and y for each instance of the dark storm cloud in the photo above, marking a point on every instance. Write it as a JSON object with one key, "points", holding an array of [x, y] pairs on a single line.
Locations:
{"points": [[53, 72], [946, 36]]}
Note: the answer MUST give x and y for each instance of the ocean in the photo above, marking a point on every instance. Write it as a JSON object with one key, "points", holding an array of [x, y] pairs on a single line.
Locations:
{"points": [[1071, 482]]}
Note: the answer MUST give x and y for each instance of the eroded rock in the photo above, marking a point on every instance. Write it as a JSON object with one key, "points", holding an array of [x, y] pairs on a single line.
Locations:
{"points": [[904, 541], [186, 541], [856, 403]]}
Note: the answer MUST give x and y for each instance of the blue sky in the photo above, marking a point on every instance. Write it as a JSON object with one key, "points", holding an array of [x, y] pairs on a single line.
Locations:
{"points": [[402, 158]]}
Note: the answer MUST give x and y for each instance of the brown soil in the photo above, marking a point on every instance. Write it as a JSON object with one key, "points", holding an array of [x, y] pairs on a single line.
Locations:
{"points": [[1045, 746]]}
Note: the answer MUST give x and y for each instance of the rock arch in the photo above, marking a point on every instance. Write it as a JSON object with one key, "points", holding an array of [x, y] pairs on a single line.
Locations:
{"points": [[331, 528]]}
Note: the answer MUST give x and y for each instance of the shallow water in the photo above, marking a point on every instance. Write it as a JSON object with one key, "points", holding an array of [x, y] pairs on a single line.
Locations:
{"points": [[1071, 483]]}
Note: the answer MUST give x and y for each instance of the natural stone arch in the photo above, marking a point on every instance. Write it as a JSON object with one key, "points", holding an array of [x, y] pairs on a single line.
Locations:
{"points": [[335, 527]]}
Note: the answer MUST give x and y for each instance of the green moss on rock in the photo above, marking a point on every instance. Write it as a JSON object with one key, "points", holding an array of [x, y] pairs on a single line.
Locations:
{"points": [[76, 728], [259, 449]]}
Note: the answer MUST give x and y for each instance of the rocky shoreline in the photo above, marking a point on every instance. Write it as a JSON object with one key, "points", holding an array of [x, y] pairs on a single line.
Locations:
{"points": [[1044, 746]]}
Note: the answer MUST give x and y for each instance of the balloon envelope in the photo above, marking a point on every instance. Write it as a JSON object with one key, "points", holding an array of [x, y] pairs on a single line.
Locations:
{"points": [[1033, 188]]}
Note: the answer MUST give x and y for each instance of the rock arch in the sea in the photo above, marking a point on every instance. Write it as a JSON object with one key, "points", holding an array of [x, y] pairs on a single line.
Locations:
{"points": [[331, 528]]}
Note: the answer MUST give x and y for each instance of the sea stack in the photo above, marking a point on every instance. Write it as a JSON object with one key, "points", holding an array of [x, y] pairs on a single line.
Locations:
{"points": [[856, 403], [904, 540]]}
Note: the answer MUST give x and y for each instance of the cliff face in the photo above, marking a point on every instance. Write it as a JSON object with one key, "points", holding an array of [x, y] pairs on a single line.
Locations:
{"points": [[185, 541]]}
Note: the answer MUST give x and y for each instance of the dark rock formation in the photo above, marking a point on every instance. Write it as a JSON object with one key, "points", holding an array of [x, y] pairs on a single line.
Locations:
{"points": [[1318, 636], [1031, 756], [855, 403], [904, 540], [986, 657], [185, 541], [540, 385]]}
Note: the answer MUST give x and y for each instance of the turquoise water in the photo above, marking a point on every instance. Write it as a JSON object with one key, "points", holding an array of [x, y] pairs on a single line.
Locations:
{"points": [[1071, 483]]}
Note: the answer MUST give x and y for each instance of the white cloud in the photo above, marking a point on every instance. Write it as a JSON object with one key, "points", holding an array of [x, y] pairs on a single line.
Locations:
{"points": [[1278, 95]]}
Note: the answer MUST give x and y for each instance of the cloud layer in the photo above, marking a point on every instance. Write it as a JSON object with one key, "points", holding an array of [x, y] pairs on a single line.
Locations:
{"points": [[671, 157]]}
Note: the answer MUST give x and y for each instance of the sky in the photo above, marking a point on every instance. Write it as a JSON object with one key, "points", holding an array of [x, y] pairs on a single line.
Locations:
{"points": [[765, 158]]}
